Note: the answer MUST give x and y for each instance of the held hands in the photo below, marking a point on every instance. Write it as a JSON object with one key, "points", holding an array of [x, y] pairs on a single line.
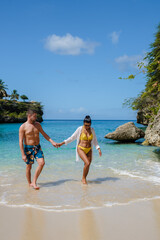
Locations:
{"points": [[54, 144], [100, 153], [57, 145], [60, 144]]}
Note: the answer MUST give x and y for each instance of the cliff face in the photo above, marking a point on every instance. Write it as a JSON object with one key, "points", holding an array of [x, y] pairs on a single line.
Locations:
{"points": [[152, 133], [142, 116], [149, 107], [148, 101], [15, 112]]}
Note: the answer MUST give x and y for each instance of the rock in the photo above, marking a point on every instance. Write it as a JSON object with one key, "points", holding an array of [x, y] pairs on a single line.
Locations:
{"points": [[127, 132], [145, 143], [152, 133]]}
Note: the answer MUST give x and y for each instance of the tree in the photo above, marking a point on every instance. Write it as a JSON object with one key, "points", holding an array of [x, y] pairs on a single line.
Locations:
{"points": [[24, 97], [14, 95], [3, 88], [153, 67], [150, 97]]}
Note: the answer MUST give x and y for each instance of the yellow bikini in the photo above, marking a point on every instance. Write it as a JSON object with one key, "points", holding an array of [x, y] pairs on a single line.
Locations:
{"points": [[85, 138]]}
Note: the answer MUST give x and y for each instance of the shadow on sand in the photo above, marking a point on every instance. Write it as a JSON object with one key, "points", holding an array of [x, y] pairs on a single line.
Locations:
{"points": [[100, 180], [94, 181], [56, 183]]}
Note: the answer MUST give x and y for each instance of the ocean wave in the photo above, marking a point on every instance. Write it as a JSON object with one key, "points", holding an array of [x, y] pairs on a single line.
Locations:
{"points": [[3, 199], [47, 208], [76, 209], [111, 204], [97, 165], [152, 179]]}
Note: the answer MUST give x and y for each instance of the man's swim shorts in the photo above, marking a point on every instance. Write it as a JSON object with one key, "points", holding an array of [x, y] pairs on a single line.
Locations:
{"points": [[33, 152]]}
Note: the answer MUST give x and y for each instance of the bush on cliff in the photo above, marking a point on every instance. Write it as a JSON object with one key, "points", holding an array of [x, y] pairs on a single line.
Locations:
{"points": [[14, 111], [148, 101]]}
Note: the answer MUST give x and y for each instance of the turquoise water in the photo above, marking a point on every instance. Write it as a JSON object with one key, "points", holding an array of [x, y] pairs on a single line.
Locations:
{"points": [[124, 173]]}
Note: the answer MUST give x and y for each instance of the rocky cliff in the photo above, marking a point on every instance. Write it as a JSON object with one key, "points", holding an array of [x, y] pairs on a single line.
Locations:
{"points": [[152, 133]]}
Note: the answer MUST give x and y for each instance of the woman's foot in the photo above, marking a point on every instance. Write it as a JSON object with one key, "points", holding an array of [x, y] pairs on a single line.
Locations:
{"points": [[84, 181], [34, 186]]}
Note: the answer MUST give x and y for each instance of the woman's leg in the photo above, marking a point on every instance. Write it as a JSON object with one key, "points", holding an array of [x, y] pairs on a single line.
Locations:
{"points": [[89, 155], [87, 162]]}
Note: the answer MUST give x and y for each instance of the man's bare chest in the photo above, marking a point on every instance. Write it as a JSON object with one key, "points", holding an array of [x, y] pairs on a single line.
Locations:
{"points": [[31, 130]]}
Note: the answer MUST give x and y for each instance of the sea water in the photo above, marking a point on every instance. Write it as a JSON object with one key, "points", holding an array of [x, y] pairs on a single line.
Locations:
{"points": [[125, 173]]}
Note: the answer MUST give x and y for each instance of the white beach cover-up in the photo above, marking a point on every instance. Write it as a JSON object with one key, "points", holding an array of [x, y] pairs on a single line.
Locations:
{"points": [[76, 135]]}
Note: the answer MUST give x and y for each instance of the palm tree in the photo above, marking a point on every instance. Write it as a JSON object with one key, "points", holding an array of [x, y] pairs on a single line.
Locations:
{"points": [[3, 88], [14, 95], [24, 97]]}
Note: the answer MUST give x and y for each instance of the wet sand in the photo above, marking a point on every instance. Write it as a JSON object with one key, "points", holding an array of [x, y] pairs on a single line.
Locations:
{"points": [[140, 221]]}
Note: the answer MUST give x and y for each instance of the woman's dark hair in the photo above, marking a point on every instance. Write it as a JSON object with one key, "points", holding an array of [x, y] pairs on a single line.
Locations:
{"points": [[87, 119]]}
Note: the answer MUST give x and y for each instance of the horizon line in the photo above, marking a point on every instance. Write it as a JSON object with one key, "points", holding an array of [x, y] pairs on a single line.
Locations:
{"points": [[58, 119]]}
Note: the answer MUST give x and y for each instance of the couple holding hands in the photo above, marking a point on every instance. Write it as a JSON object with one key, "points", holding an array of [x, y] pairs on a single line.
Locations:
{"points": [[29, 143]]}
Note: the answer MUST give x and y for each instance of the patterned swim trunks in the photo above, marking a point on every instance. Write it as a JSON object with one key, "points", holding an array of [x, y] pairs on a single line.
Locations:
{"points": [[33, 152]]}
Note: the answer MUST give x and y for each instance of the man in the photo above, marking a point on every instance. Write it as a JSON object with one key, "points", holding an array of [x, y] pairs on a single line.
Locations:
{"points": [[29, 133]]}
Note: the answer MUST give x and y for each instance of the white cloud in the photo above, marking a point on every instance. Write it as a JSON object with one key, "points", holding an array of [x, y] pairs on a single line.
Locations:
{"points": [[115, 37], [69, 45], [60, 111], [78, 110], [126, 62]]}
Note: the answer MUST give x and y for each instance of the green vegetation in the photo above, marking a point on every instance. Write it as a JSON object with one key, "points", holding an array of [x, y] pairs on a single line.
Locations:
{"points": [[148, 101], [14, 95], [3, 89], [12, 110], [24, 97]]}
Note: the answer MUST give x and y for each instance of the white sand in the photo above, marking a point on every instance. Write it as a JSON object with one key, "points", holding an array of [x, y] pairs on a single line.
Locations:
{"points": [[136, 221]]}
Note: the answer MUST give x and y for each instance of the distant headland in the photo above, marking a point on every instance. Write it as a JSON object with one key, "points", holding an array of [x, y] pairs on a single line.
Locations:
{"points": [[14, 111]]}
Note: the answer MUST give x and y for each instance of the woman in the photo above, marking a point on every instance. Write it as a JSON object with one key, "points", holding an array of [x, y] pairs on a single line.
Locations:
{"points": [[86, 137]]}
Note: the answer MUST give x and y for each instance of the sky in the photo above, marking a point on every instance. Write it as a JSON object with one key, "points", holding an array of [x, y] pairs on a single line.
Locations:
{"points": [[69, 55]]}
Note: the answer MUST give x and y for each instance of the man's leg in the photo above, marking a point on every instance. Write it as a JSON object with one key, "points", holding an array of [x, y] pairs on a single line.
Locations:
{"points": [[28, 173], [41, 164]]}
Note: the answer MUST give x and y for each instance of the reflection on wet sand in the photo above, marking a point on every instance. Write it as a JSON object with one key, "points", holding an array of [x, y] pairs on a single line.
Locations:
{"points": [[88, 226], [156, 207], [34, 225], [34, 222]]}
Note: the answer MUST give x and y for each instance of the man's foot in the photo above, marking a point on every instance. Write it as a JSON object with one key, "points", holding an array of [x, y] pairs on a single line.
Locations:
{"points": [[84, 181], [34, 186]]}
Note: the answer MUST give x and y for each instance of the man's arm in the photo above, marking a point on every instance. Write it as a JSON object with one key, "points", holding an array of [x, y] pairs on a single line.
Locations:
{"points": [[45, 135], [21, 137]]}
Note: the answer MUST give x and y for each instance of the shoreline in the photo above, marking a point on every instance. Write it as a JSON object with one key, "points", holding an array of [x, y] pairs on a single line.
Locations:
{"points": [[138, 221], [73, 210]]}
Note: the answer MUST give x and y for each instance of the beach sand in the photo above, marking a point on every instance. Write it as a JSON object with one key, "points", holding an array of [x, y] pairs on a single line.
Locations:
{"points": [[134, 221]]}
